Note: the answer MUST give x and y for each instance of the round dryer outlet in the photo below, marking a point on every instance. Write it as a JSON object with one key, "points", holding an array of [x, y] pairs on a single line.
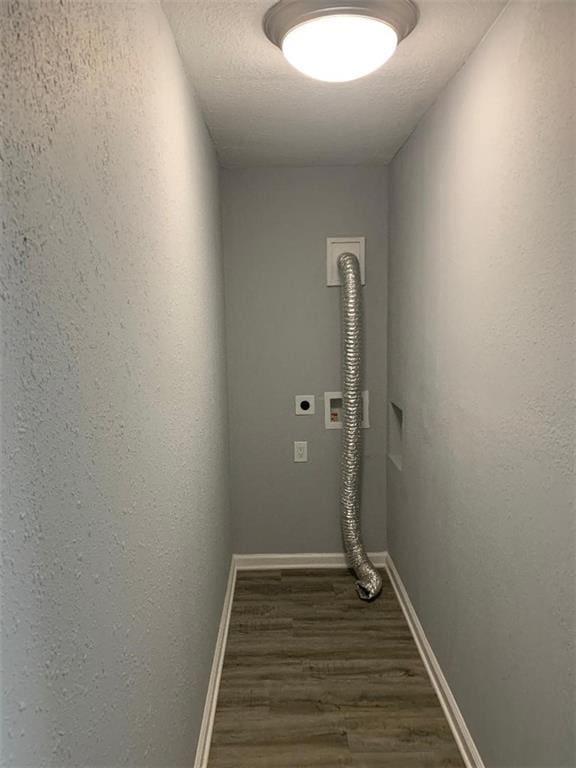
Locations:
{"points": [[304, 404]]}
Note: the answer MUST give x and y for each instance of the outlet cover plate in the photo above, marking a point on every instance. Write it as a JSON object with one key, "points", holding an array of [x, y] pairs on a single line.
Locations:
{"points": [[300, 451], [335, 247]]}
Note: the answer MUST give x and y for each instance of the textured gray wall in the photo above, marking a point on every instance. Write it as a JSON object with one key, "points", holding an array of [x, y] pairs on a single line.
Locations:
{"points": [[284, 339], [114, 506], [481, 520]]}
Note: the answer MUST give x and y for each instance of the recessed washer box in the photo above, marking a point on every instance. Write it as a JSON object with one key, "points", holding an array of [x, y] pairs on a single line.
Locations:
{"points": [[333, 410], [335, 247]]}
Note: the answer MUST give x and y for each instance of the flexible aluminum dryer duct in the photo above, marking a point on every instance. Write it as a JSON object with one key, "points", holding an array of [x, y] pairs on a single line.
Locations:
{"points": [[369, 581]]}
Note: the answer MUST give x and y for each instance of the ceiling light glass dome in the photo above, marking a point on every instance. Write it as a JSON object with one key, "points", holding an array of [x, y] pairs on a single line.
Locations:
{"points": [[339, 48], [339, 41]]}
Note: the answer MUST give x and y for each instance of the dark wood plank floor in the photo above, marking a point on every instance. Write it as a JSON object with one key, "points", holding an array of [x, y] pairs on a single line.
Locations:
{"points": [[313, 677]]}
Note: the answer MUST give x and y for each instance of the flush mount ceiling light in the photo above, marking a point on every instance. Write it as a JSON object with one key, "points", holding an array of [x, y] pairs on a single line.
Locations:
{"points": [[339, 41]]}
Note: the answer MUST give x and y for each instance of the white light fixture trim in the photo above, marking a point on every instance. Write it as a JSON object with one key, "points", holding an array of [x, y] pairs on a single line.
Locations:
{"points": [[339, 41]]}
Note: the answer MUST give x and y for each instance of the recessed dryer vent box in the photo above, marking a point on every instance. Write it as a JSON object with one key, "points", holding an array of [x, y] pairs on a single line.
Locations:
{"points": [[333, 413], [335, 247]]}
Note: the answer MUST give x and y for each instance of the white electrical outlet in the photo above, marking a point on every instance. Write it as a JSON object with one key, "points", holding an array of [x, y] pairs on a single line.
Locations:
{"points": [[300, 450]]}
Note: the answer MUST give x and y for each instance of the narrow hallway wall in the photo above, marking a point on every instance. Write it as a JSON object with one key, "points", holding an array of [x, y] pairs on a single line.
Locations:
{"points": [[481, 333], [283, 333], [115, 545]]}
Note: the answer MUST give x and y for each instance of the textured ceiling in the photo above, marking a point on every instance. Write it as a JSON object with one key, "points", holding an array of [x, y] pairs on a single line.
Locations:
{"points": [[262, 112]]}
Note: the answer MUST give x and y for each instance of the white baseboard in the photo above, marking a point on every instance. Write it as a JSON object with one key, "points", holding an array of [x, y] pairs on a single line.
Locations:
{"points": [[300, 560], [205, 736], [462, 735]]}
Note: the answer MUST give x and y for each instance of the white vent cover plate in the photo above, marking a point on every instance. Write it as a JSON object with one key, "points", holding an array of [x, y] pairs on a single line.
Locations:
{"points": [[335, 247]]}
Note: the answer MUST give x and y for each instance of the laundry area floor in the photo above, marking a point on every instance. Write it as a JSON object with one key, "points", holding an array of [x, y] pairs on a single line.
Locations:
{"points": [[315, 677]]}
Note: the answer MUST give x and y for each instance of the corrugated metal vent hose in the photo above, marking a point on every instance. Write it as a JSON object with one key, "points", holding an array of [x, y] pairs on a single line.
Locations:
{"points": [[368, 580]]}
